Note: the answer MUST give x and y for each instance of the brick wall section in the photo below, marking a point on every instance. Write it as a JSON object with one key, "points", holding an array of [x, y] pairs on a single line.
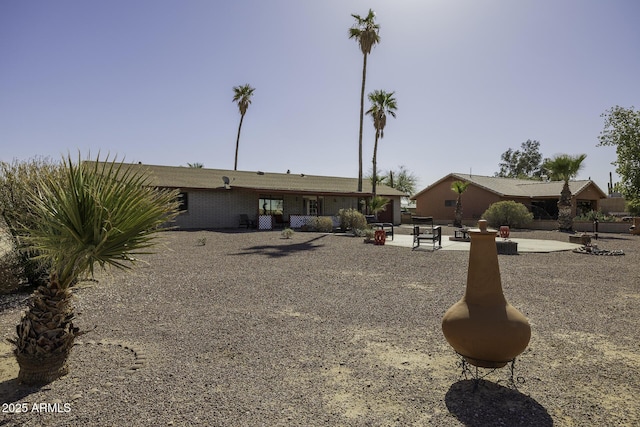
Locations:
{"points": [[217, 209]]}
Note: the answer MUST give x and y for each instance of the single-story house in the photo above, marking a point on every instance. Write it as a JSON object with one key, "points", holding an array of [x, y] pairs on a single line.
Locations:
{"points": [[540, 197], [216, 198]]}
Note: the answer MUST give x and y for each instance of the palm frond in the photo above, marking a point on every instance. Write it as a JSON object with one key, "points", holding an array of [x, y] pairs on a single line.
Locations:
{"points": [[365, 31], [100, 212]]}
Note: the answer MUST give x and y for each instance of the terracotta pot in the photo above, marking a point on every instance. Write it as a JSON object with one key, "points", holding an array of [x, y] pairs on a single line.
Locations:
{"points": [[483, 327]]}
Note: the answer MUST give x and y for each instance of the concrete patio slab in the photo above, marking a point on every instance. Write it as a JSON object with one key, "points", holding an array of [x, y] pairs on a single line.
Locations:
{"points": [[524, 245]]}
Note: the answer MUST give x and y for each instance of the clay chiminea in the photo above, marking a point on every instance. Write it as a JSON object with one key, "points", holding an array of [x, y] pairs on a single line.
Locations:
{"points": [[483, 327]]}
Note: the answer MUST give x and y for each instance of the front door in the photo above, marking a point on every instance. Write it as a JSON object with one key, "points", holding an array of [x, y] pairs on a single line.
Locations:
{"points": [[387, 214]]}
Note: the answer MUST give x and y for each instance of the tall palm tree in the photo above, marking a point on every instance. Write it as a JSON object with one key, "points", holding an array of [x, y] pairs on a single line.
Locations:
{"points": [[242, 95], [382, 103], [365, 32], [99, 213], [458, 187], [564, 167]]}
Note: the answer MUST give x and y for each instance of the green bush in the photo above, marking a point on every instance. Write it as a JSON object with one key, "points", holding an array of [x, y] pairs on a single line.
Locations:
{"points": [[352, 219], [324, 224], [510, 213]]}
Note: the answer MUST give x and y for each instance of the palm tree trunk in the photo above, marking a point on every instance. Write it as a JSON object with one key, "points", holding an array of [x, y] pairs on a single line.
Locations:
{"points": [[375, 164], [565, 220], [457, 222], [45, 335], [364, 79], [235, 165]]}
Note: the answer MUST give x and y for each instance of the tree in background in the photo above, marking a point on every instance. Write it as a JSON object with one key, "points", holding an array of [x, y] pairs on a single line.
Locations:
{"points": [[458, 187], [622, 130], [365, 32], [564, 167], [195, 165], [242, 95], [402, 180], [382, 103], [100, 213], [525, 163]]}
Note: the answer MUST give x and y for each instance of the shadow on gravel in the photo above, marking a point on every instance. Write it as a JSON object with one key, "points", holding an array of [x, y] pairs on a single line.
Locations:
{"points": [[493, 404], [277, 251], [12, 391]]}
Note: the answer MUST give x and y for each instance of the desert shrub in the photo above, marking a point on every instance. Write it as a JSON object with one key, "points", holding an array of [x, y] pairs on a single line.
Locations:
{"points": [[513, 214], [352, 219], [287, 233], [367, 233], [593, 215], [16, 180], [323, 224], [10, 270]]}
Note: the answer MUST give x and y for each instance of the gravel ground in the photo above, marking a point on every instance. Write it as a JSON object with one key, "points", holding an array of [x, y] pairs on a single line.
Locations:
{"points": [[251, 329]]}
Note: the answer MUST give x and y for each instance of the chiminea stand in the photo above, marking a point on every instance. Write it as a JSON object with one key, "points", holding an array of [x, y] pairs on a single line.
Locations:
{"points": [[469, 370]]}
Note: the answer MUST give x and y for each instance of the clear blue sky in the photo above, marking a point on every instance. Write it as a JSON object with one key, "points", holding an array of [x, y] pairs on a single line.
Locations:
{"points": [[151, 81]]}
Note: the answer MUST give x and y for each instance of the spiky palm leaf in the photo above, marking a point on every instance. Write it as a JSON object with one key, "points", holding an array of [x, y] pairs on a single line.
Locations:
{"points": [[101, 213]]}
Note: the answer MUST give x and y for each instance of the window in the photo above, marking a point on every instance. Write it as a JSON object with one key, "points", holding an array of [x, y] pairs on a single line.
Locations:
{"points": [[313, 207], [270, 206], [449, 203], [183, 200]]}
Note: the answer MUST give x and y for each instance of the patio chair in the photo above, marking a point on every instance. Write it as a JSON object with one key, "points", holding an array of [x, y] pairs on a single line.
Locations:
{"points": [[245, 221], [279, 221], [429, 232]]}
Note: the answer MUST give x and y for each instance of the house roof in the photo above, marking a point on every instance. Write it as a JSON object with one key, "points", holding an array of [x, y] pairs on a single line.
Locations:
{"points": [[210, 179], [512, 187]]}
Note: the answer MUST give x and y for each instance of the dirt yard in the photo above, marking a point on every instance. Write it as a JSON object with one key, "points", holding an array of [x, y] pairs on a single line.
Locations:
{"points": [[320, 330]]}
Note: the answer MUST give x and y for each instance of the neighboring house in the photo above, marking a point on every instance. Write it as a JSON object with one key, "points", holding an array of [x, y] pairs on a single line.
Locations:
{"points": [[215, 198], [540, 197]]}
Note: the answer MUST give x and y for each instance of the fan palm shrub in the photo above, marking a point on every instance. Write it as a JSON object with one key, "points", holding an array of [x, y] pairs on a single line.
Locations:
{"points": [[378, 204], [458, 187], [102, 213], [564, 167]]}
